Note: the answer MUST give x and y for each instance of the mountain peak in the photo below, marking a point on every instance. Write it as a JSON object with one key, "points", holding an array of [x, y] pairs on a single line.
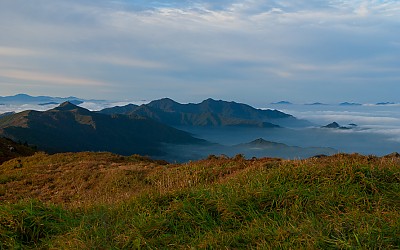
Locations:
{"points": [[332, 125], [68, 106], [282, 103], [210, 100], [261, 141], [164, 103], [165, 100]]}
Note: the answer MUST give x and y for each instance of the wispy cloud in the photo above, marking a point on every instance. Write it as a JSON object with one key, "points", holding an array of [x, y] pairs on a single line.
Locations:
{"points": [[12, 51], [126, 61], [48, 78]]}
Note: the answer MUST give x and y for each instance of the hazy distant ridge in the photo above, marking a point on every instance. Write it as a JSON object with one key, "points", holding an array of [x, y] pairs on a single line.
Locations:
{"points": [[207, 113], [27, 99]]}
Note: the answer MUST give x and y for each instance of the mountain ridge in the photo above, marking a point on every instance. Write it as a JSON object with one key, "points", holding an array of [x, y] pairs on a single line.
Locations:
{"points": [[40, 100], [208, 113], [72, 128]]}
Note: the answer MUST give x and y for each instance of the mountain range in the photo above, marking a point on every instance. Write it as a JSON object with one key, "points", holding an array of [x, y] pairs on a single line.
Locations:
{"points": [[155, 129], [72, 128], [42, 100], [208, 113]]}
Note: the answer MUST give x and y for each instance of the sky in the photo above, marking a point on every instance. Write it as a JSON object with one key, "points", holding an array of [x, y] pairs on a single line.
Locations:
{"points": [[249, 51]]}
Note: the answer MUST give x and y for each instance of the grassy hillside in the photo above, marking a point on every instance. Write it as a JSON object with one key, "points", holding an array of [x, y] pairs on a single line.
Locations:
{"points": [[106, 201]]}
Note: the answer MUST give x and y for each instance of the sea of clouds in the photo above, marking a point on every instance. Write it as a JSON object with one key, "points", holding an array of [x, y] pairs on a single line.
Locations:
{"points": [[379, 121], [377, 131]]}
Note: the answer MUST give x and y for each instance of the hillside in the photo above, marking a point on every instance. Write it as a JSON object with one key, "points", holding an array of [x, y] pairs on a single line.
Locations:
{"points": [[10, 149], [71, 128], [207, 113], [6, 114], [261, 147], [102, 200]]}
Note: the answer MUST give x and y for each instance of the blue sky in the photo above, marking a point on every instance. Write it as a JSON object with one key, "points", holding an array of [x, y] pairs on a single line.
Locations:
{"points": [[249, 51]]}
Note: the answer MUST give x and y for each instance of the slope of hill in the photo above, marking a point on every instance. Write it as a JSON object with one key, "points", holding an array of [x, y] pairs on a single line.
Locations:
{"points": [[119, 109], [261, 147], [71, 128], [106, 201], [6, 114], [10, 149], [207, 113]]}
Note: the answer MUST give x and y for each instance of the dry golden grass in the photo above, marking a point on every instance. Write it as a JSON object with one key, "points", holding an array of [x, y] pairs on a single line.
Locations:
{"points": [[80, 179], [108, 201], [74, 179]]}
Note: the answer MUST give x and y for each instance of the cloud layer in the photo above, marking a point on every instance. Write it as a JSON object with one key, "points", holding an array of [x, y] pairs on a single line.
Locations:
{"points": [[252, 51]]}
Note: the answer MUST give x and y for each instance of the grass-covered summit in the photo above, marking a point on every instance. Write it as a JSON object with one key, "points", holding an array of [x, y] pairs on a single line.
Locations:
{"points": [[106, 201]]}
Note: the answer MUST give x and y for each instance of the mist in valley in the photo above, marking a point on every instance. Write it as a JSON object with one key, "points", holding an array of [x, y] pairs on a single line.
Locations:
{"points": [[377, 133]]}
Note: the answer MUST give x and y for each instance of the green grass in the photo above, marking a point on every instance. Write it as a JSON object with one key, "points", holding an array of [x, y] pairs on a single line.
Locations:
{"points": [[31, 223], [339, 202]]}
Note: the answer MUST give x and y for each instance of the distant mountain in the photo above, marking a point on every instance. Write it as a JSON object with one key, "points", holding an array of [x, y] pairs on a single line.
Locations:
{"points": [[385, 103], [336, 125], [207, 114], [260, 143], [350, 104], [262, 148], [282, 103], [10, 149], [332, 125], [119, 109], [48, 103], [316, 104], [72, 128], [41, 100]]}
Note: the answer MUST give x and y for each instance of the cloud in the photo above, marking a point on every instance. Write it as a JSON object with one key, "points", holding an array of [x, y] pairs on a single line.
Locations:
{"points": [[48, 78], [362, 10], [12, 51], [365, 119], [126, 61], [261, 48]]}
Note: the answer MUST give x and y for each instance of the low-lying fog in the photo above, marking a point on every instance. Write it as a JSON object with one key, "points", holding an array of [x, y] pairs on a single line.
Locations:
{"points": [[377, 131]]}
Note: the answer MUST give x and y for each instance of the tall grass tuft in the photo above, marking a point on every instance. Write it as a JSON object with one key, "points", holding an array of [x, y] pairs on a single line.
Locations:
{"points": [[32, 223]]}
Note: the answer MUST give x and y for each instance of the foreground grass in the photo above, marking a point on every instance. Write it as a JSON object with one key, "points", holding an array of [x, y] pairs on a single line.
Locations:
{"points": [[343, 201]]}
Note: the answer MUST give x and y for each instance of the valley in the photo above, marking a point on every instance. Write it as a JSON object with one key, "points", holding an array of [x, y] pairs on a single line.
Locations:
{"points": [[157, 129]]}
